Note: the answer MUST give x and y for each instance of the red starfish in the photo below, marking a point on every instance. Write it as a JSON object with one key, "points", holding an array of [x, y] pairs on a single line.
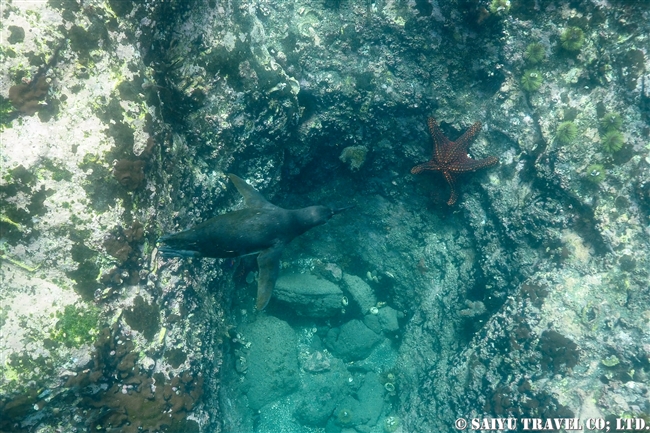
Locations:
{"points": [[451, 158]]}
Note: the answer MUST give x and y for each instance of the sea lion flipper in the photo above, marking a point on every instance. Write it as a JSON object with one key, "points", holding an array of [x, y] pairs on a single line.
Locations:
{"points": [[252, 197], [269, 265]]}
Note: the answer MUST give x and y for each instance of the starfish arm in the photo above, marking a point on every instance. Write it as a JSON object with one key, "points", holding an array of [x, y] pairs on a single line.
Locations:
{"points": [[469, 164], [452, 186], [440, 142], [459, 147], [429, 165]]}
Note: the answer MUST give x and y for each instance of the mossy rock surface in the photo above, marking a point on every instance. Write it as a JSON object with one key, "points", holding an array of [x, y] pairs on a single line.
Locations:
{"points": [[353, 341], [363, 408], [308, 295], [75, 326], [272, 361], [360, 292], [329, 386]]}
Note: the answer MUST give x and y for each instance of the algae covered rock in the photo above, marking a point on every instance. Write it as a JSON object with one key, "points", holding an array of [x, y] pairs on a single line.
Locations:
{"points": [[352, 341], [272, 361], [273, 418], [384, 321], [360, 292], [388, 319], [328, 386], [365, 407], [308, 295]]}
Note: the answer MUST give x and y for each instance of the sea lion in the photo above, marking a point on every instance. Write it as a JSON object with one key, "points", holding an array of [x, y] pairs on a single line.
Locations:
{"points": [[261, 227]]}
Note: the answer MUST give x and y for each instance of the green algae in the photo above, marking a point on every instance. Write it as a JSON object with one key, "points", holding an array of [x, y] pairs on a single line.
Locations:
{"points": [[58, 171], [76, 326], [610, 361], [6, 110], [500, 7], [20, 264]]}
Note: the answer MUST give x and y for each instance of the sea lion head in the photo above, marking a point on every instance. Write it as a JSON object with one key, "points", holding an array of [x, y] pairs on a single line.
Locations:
{"points": [[316, 215]]}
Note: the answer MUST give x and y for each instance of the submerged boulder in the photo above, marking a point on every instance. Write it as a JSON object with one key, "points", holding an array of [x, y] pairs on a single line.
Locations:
{"points": [[309, 296], [352, 341], [329, 387], [272, 361], [360, 292]]}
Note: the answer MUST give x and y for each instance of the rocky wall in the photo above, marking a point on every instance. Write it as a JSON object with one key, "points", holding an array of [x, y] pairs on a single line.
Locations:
{"points": [[526, 298]]}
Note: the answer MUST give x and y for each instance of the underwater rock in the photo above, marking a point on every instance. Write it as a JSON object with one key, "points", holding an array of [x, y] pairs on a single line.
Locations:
{"points": [[273, 418], [352, 341], [388, 319], [360, 292], [130, 174], [334, 270], [309, 295], [382, 357], [384, 321], [26, 97], [558, 352], [327, 386], [372, 322], [272, 361], [365, 407], [143, 317], [316, 362], [371, 397]]}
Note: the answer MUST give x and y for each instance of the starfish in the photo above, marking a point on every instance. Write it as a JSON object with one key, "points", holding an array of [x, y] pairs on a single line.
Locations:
{"points": [[451, 158]]}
